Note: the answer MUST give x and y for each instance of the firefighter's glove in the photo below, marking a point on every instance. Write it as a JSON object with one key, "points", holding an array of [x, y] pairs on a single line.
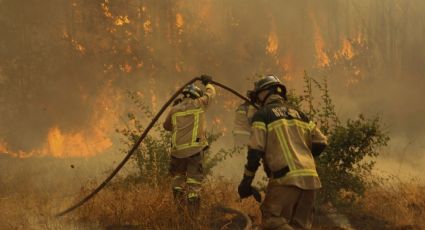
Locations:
{"points": [[252, 96], [205, 79], [256, 194], [245, 189]]}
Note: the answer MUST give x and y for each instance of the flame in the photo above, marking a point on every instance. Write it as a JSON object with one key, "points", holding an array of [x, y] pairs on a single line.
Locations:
{"points": [[272, 43], [61, 144], [105, 8], [118, 20], [121, 20], [126, 68], [287, 64], [346, 50], [147, 26], [92, 140], [3, 147], [322, 59], [77, 45], [179, 22]]}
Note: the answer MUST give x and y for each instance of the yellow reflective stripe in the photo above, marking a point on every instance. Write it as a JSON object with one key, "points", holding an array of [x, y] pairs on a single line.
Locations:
{"points": [[192, 195], [259, 125], [195, 128], [188, 112], [193, 143], [285, 149], [174, 136], [192, 181], [302, 172], [241, 132], [293, 122], [177, 188], [189, 145], [311, 125], [249, 173]]}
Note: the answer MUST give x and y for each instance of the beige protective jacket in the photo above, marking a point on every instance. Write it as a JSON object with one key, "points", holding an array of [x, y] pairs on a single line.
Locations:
{"points": [[186, 121], [242, 124], [285, 136]]}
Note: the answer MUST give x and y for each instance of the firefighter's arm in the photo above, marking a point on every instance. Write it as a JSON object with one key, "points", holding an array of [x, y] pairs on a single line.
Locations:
{"points": [[256, 145], [318, 140], [167, 123], [208, 95], [255, 153]]}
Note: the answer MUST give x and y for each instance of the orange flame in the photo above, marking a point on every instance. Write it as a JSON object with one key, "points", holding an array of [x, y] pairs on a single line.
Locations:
{"points": [[147, 27], [322, 59], [77, 45], [121, 20], [118, 20], [105, 8], [179, 22], [272, 43], [346, 50], [287, 64], [94, 139], [61, 144]]}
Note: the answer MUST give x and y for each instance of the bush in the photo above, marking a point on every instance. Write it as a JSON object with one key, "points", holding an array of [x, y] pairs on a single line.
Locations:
{"points": [[346, 164]]}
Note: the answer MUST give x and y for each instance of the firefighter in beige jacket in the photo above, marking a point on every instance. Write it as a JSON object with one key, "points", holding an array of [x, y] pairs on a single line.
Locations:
{"points": [[286, 141], [186, 121]]}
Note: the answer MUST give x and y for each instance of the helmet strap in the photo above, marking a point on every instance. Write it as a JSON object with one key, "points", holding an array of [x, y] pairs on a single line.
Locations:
{"points": [[267, 96], [273, 90]]}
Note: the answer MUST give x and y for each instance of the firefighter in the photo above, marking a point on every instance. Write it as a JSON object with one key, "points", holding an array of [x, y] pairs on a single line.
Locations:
{"points": [[242, 122], [286, 141], [186, 121]]}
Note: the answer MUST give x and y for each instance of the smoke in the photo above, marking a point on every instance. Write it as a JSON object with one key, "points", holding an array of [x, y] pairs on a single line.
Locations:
{"points": [[66, 65]]}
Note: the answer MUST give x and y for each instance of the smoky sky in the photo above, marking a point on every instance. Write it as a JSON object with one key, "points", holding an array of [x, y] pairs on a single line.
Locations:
{"points": [[57, 56]]}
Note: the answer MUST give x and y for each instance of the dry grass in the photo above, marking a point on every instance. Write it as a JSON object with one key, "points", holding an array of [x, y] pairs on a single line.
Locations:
{"points": [[399, 203], [152, 207]]}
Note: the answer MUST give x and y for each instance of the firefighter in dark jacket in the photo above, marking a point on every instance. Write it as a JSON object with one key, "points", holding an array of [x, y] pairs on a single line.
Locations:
{"points": [[186, 121], [286, 141]]}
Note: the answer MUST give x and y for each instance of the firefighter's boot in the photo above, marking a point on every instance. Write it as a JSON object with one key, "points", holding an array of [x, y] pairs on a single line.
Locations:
{"points": [[193, 205]]}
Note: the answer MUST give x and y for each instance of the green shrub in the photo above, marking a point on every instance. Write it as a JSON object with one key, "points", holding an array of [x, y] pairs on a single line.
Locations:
{"points": [[346, 164]]}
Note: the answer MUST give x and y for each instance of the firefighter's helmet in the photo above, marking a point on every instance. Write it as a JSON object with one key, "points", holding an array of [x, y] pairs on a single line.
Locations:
{"points": [[192, 91], [270, 82]]}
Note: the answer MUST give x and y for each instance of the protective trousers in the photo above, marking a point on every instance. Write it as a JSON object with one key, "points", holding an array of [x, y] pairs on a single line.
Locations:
{"points": [[287, 207], [187, 175]]}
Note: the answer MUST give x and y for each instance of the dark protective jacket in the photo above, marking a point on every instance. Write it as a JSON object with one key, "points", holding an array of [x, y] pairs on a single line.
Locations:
{"points": [[186, 121], [284, 139]]}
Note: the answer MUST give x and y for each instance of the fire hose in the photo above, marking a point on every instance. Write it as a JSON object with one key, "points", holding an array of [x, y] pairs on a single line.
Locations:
{"points": [[142, 137]]}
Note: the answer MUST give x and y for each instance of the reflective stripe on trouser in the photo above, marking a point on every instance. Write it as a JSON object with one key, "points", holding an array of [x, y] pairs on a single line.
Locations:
{"points": [[187, 175], [193, 188], [287, 207]]}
